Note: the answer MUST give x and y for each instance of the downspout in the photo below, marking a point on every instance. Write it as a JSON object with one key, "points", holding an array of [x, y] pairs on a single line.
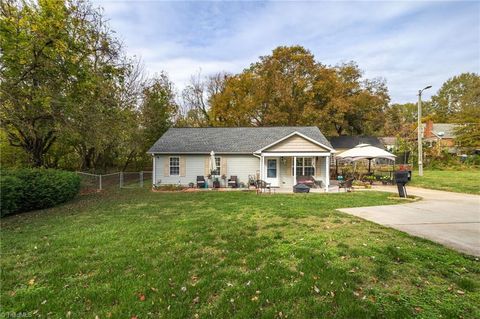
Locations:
{"points": [[153, 172]]}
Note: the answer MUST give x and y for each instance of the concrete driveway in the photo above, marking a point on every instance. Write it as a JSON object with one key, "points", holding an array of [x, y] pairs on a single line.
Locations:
{"points": [[451, 219]]}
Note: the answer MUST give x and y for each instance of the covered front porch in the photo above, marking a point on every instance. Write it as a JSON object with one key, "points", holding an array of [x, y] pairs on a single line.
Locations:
{"points": [[286, 169]]}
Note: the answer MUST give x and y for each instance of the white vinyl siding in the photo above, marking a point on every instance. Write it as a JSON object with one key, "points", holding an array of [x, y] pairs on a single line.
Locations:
{"points": [[240, 165], [295, 144]]}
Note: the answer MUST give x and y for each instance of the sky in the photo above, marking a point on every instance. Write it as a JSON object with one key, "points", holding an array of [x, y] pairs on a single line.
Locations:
{"points": [[411, 44]]}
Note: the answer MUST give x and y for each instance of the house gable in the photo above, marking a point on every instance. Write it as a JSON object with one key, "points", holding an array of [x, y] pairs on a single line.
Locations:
{"points": [[295, 143]]}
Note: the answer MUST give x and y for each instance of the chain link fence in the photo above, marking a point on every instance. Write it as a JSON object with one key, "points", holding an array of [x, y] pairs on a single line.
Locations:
{"points": [[99, 182]]}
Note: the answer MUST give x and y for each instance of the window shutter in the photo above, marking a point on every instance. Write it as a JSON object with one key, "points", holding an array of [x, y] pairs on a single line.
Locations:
{"points": [[166, 166], [318, 168], [223, 166], [207, 159], [182, 166], [289, 166]]}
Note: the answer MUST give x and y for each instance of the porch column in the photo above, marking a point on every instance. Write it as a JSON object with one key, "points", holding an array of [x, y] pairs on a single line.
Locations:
{"points": [[294, 170], [261, 167], [327, 172]]}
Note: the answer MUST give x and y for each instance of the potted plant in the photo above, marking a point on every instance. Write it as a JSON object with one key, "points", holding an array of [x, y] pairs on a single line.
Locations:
{"points": [[386, 180], [191, 184], [216, 183]]}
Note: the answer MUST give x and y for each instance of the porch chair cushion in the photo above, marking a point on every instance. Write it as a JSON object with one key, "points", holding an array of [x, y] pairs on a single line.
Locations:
{"points": [[307, 180], [200, 181], [233, 181]]}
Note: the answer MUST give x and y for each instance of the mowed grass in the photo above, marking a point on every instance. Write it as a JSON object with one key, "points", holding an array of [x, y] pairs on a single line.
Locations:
{"points": [[461, 181], [134, 253]]}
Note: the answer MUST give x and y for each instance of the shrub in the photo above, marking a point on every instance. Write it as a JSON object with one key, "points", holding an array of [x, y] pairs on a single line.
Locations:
{"points": [[11, 193], [169, 187], [38, 188]]}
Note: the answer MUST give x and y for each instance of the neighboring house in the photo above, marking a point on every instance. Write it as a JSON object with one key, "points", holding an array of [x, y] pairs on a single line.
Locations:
{"points": [[440, 134], [277, 155], [343, 143], [389, 142]]}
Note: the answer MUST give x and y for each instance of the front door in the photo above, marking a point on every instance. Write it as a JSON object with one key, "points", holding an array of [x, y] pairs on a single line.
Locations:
{"points": [[272, 171]]}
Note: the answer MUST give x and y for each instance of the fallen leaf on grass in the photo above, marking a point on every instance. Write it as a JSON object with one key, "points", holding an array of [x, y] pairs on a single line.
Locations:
{"points": [[316, 289], [460, 292], [31, 282], [141, 297]]}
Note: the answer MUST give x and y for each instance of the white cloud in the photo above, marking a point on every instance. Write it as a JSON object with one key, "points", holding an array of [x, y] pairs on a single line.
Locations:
{"points": [[411, 44]]}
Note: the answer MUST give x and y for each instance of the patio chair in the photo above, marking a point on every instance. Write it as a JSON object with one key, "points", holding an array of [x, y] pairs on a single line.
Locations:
{"points": [[318, 183], [346, 184], [263, 186], [251, 181], [200, 182], [233, 181]]}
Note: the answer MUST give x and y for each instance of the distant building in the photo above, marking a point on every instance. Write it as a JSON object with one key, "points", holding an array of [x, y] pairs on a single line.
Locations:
{"points": [[440, 134], [343, 143], [389, 142]]}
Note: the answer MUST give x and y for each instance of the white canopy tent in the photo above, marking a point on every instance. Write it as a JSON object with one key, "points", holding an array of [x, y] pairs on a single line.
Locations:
{"points": [[365, 151]]}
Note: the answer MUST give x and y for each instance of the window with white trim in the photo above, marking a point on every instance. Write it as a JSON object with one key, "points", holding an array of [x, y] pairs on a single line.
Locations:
{"points": [[305, 166], [175, 165], [218, 163]]}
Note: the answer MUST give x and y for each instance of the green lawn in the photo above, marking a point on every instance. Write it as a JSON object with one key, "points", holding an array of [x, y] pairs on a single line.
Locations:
{"points": [[461, 181], [221, 255]]}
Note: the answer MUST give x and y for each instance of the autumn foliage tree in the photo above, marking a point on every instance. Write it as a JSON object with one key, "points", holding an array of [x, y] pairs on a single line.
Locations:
{"points": [[289, 87]]}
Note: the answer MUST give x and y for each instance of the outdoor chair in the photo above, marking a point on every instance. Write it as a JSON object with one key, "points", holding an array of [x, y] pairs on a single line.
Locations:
{"points": [[318, 183], [251, 181], [263, 187], [200, 182], [347, 185], [233, 181]]}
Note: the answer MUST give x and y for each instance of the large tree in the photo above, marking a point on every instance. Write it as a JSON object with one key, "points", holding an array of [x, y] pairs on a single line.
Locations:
{"points": [[63, 79], [289, 87], [196, 99], [158, 109], [458, 94]]}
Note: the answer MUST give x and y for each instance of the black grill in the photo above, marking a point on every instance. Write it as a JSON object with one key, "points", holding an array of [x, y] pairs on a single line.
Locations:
{"points": [[301, 188], [401, 177]]}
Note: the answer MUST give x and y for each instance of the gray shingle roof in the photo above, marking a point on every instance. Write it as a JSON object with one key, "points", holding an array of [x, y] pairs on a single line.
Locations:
{"points": [[228, 139], [352, 141], [444, 130]]}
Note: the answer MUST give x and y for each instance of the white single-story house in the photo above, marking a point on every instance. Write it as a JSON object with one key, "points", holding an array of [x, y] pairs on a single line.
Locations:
{"points": [[277, 155]]}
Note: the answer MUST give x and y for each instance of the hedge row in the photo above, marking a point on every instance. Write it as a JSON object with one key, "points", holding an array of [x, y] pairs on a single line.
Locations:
{"points": [[29, 189]]}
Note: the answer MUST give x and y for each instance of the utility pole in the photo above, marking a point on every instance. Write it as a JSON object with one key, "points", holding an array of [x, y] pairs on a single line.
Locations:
{"points": [[420, 131]]}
